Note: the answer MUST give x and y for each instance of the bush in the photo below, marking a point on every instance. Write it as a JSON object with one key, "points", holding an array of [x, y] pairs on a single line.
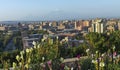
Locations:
{"points": [[5, 56], [56, 64], [86, 64], [113, 67], [1, 65]]}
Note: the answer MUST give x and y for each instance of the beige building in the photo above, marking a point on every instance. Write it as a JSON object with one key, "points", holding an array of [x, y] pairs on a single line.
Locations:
{"points": [[90, 29], [61, 26], [31, 27], [3, 28], [110, 22], [54, 24], [119, 25], [110, 28], [86, 23], [40, 27], [78, 25]]}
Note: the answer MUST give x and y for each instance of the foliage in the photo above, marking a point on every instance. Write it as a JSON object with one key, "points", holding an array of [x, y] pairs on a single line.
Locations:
{"points": [[18, 42], [5, 56], [86, 64], [103, 42], [71, 52], [102, 54], [113, 67], [56, 64], [4, 40]]}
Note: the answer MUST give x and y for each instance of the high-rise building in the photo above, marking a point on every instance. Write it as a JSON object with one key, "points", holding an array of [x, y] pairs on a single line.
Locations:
{"points": [[101, 28], [119, 25], [31, 27], [75, 25], [40, 27], [97, 26], [78, 25], [86, 23]]}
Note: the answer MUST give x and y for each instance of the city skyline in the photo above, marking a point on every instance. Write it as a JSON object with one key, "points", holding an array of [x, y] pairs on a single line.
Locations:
{"points": [[34, 10]]}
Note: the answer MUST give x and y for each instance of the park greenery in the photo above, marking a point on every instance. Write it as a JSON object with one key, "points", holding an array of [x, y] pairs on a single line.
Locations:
{"points": [[102, 51], [4, 39], [17, 40]]}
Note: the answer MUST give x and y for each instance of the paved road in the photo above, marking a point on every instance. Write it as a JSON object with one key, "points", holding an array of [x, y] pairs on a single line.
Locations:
{"points": [[10, 46]]}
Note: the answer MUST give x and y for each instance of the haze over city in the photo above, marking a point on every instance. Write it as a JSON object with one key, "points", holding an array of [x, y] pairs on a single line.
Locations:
{"points": [[35, 10]]}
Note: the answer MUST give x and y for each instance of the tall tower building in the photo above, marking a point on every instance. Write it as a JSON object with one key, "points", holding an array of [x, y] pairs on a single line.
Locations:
{"points": [[93, 28], [86, 23], [101, 27], [98, 26], [78, 25], [75, 25], [119, 25]]}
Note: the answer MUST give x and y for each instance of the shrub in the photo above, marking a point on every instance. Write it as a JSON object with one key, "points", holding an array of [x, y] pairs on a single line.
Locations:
{"points": [[86, 64]]}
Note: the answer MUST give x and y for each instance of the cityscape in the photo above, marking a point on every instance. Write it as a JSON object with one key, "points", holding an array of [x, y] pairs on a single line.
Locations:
{"points": [[33, 36]]}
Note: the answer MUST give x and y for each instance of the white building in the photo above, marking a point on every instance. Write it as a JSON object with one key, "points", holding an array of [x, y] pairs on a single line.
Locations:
{"points": [[119, 25], [97, 26]]}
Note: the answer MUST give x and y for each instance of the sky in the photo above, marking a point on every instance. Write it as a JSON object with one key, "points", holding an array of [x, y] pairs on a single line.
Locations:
{"points": [[35, 10]]}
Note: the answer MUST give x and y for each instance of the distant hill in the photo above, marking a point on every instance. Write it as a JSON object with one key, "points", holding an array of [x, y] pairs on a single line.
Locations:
{"points": [[8, 22]]}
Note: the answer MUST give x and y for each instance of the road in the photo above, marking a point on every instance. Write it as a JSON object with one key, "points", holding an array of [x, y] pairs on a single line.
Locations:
{"points": [[10, 46]]}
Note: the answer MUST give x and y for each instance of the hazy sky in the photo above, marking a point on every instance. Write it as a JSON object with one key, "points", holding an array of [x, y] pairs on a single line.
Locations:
{"points": [[57, 9]]}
